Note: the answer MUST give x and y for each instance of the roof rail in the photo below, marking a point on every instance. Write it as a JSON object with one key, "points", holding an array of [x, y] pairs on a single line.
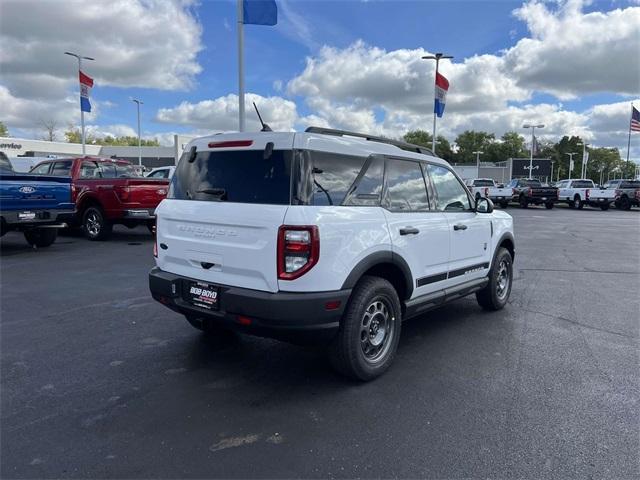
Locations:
{"points": [[403, 145]]}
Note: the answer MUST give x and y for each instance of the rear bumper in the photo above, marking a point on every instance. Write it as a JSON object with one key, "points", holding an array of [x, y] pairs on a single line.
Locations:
{"points": [[281, 315], [23, 219], [139, 214]]}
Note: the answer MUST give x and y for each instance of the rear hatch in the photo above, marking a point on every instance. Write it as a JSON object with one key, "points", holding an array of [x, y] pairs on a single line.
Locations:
{"points": [[35, 192], [220, 221]]}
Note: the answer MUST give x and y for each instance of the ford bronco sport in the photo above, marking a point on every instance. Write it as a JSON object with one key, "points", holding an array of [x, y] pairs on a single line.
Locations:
{"points": [[327, 236]]}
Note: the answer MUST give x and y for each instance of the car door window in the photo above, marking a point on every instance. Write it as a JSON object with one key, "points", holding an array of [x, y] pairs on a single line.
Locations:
{"points": [[41, 169], [61, 169], [405, 189], [90, 170], [369, 186], [160, 174], [450, 193], [108, 170]]}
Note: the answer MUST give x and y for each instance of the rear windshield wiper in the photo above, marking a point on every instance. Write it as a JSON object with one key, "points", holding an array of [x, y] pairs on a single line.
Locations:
{"points": [[221, 193]]}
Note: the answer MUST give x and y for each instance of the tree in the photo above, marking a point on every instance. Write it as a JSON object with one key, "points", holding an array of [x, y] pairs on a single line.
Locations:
{"points": [[512, 146], [470, 141], [49, 127], [73, 135], [423, 138], [4, 132]]}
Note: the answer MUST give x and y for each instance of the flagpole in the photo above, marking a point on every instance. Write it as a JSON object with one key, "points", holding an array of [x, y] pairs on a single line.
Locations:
{"points": [[80, 57], [629, 139], [437, 58], [241, 125]]}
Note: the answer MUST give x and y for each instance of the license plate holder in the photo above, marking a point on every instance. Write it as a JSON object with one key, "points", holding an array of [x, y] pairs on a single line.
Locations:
{"points": [[203, 295]]}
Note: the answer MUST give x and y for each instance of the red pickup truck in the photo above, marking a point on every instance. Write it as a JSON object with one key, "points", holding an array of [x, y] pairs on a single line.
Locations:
{"points": [[106, 192]]}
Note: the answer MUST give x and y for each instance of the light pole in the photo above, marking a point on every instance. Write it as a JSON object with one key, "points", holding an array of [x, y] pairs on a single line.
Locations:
{"points": [[80, 58], [477, 154], [570, 162], [533, 129], [552, 162], [138, 103], [437, 57]]}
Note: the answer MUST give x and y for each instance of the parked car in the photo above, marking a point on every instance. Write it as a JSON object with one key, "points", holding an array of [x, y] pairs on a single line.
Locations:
{"points": [[487, 187], [625, 193], [575, 192], [324, 236], [34, 205], [161, 172], [601, 197], [526, 192], [107, 192]]}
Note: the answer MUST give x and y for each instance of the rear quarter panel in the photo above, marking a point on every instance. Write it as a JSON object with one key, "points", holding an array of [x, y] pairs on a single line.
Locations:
{"points": [[347, 236]]}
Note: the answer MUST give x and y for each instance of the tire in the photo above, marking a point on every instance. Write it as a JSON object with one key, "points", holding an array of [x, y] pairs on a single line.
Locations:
{"points": [[41, 237], [577, 203], [604, 207], [624, 203], [523, 202], [549, 205], [94, 225], [496, 294], [374, 313]]}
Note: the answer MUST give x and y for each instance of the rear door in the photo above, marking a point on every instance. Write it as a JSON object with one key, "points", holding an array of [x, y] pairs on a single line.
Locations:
{"points": [[470, 231], [220, 221], [418, 234]]}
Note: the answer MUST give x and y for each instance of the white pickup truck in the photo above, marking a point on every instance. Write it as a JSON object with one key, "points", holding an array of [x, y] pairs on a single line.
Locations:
{"points": [[576, 192], [487, 187]]}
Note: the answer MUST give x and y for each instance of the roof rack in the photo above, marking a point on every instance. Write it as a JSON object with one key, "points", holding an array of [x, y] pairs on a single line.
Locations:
{"points": [[341, 133]]}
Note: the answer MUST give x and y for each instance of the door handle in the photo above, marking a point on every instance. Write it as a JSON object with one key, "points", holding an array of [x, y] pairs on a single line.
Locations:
{"points": [[460, 226], [409, 231]]}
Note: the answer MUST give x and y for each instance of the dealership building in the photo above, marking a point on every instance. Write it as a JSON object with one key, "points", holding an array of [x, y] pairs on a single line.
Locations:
{"points": [[502, 172], [23, 152]]}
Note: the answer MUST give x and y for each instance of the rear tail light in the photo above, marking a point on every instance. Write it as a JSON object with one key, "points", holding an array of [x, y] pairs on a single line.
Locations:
{"points": [[618, 193], [486, 192], [587, 192], [529, 192], [154, 232], [74, 193], [231, 143], [298, 250], [513, 191]]}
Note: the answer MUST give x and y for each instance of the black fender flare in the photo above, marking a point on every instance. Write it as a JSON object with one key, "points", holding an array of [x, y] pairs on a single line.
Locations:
{"points": [[503, 237], [378, 258]]}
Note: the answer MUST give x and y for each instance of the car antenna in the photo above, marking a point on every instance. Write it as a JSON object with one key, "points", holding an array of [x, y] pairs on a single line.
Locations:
{"points": [[265, 127]]}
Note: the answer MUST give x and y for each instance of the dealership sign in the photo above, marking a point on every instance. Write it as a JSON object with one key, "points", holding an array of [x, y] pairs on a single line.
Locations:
{"points": [[541, 167], [11, 146]]}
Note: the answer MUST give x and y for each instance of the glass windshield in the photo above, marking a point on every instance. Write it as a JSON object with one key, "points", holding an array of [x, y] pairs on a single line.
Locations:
{"points": [[483, 183], [234, 176]]}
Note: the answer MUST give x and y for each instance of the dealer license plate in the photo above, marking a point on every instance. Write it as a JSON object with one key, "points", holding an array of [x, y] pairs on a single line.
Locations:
{"points": [[203, 295], [544, 198]]}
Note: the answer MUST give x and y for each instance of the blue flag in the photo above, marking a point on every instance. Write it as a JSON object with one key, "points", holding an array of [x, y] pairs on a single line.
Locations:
{"points": [[260, 12]]}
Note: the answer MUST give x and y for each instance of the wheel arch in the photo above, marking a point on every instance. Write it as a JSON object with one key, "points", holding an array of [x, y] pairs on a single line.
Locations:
{"points": [[387, 265], [506, 241]]}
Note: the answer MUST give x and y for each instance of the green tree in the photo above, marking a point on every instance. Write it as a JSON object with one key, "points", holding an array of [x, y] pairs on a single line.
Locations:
{"points": [[512, 145], [4, 132], [423, 138], [470, 141], [73, 135]]}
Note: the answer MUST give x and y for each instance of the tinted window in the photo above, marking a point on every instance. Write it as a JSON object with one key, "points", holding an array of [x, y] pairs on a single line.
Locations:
{"points": [[332, 175], [369, 186], [630, 184], [41, 169], [234, 176], [450, 194], [582, 184], [483, 183], [61, 169], [107, 170], [405, 188], [531, 183], [90, 170]]}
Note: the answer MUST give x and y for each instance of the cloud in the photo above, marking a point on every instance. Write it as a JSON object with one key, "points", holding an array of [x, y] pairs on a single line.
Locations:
{"points": [[221, 114]]}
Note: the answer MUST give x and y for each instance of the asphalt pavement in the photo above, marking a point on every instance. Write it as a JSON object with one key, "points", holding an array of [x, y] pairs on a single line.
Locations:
{"points": [[98, 380]]}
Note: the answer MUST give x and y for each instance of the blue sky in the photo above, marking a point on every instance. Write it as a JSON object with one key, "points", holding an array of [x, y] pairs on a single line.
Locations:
{"points": [[513, 60]]}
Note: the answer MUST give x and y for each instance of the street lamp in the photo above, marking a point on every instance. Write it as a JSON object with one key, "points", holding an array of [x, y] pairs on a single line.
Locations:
{"points": [[583, 169], [533, 129], [138, 103], [570, 162], [477, 154], [437, 57], [80, 58]]}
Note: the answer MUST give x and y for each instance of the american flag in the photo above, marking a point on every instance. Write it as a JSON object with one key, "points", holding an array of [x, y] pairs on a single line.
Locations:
{"points": [[635, 119]]}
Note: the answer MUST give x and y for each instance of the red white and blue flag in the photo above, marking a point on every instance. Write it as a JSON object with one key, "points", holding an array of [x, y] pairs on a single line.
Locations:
{"points": [[86, 82], [635, 120], [442, 86]]}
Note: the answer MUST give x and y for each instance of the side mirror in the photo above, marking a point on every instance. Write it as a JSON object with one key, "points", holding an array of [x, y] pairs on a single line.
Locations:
{"points": [[484, 205]]}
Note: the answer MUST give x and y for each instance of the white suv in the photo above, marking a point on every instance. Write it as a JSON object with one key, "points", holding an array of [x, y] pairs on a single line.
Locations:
{"points": [[324, 236]]}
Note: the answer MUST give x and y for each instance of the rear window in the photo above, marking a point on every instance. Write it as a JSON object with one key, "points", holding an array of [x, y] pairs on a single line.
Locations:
{"points": [[531, 183], [483, 183], [630, 184], [234, 176], [62, 169], [126, 170], [582, 184]]}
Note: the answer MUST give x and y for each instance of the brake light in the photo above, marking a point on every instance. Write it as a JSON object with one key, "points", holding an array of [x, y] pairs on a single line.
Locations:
{"points": [[587, 192], [298, 250], [74, 193], [155, 239], [486, 192], [513, 191], [231, 143], [529, 192], [618, 193]]}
